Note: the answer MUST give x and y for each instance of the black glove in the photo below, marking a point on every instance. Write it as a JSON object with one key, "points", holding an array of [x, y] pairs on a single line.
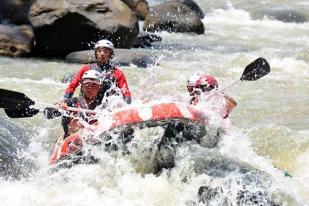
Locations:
{"points": [[51, 113]]}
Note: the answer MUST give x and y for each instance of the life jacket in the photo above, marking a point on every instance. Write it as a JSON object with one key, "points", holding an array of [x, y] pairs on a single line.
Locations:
{"points": [[112, 75], [79, 102], [109, 83]]}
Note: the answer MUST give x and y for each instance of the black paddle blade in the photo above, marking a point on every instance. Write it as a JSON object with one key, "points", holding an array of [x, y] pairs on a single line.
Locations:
{"points": [[11, 99], [21, 112], [255, 70], [16, 104]]}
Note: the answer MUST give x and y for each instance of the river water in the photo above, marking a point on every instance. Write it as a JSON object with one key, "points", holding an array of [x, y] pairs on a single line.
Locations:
{"points": [[269, 126]]}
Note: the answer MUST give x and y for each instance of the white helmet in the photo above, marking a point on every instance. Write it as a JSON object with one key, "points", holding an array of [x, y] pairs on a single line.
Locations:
{"points": [[201, 83], [91, 76], [191, 82], [104, 43]]}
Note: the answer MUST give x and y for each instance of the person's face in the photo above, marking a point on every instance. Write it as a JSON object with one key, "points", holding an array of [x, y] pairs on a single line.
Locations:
{"points": [[91, 89], [103, 55]]}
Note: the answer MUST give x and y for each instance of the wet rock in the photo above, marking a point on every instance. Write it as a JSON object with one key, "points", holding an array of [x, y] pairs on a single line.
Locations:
{"points": [[145, 40], [140, 7], [216, 165], [284, 15], [16, 41], [245, 197], [123, 57], [194, 7], [208, 195], [13, 140], [251, 185], [15, 11], [173, 16], [62, 26]]}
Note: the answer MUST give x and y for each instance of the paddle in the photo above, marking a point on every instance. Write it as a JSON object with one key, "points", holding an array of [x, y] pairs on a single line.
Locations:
{"points": [[253, 71], [17, 105]]}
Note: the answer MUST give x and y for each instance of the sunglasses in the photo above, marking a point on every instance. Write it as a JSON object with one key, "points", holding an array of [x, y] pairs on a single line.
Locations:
{"points": [[91, 85], [194, 90], [202, 88]]}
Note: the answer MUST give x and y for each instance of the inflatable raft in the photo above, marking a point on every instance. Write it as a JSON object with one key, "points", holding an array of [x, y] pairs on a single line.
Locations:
{"points": [[180, 123]]}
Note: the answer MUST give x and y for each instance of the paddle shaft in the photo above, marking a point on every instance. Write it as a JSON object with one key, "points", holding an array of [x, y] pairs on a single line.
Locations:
{"points": [[74, 109], [229, 86], [253, 71]]}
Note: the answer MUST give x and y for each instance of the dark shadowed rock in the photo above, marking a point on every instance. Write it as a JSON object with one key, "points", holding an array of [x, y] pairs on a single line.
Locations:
{"points": [[252, 185], [15, 11], [62, 26], [144, 40], [122, 57], [284, 15], [16, 41], [13, 140], [173, 16], [140, 7], [194, 7]]}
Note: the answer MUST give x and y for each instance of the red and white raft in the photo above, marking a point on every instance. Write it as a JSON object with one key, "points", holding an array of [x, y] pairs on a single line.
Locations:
{"points": [[149, 115]]}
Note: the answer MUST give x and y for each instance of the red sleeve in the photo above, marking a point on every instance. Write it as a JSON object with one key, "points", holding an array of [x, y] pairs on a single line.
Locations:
{"points": [[76, 80], [122, 83]]}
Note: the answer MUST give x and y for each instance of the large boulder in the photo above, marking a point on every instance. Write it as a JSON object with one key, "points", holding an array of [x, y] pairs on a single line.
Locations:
{"points": [[15, 11], [145, 40], [140, 7], [173, 16], [194, 7], [62, 26], [16, 41], [123, 57], [249, 185]]}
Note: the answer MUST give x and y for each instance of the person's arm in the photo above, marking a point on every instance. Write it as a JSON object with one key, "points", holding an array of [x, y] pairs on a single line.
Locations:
{"points": [[123, 86], [230, 104], [75, 82]]}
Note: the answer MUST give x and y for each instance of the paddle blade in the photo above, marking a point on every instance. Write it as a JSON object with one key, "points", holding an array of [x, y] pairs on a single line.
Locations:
{"points": [[21, 112], [16, 104], [255, 70], [11, 99]]}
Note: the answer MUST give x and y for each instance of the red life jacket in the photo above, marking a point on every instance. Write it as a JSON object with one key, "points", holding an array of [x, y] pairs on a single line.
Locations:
{"points": [[120, 79]]}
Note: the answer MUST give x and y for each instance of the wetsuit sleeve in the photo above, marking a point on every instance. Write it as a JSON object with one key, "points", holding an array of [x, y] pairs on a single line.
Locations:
{"points": [[123, 85], [75, 82]]}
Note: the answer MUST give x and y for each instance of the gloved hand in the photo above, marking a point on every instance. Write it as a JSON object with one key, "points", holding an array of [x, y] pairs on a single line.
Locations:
{"points": [[51, 113]]}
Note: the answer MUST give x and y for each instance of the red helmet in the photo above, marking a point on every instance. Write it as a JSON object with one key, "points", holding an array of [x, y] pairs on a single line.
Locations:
{"points": [[201, 82]]}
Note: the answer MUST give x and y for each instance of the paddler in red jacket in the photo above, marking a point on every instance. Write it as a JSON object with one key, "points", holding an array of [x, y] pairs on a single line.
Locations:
{"points": [[90, 88], [202, 84], [104, 52]]}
